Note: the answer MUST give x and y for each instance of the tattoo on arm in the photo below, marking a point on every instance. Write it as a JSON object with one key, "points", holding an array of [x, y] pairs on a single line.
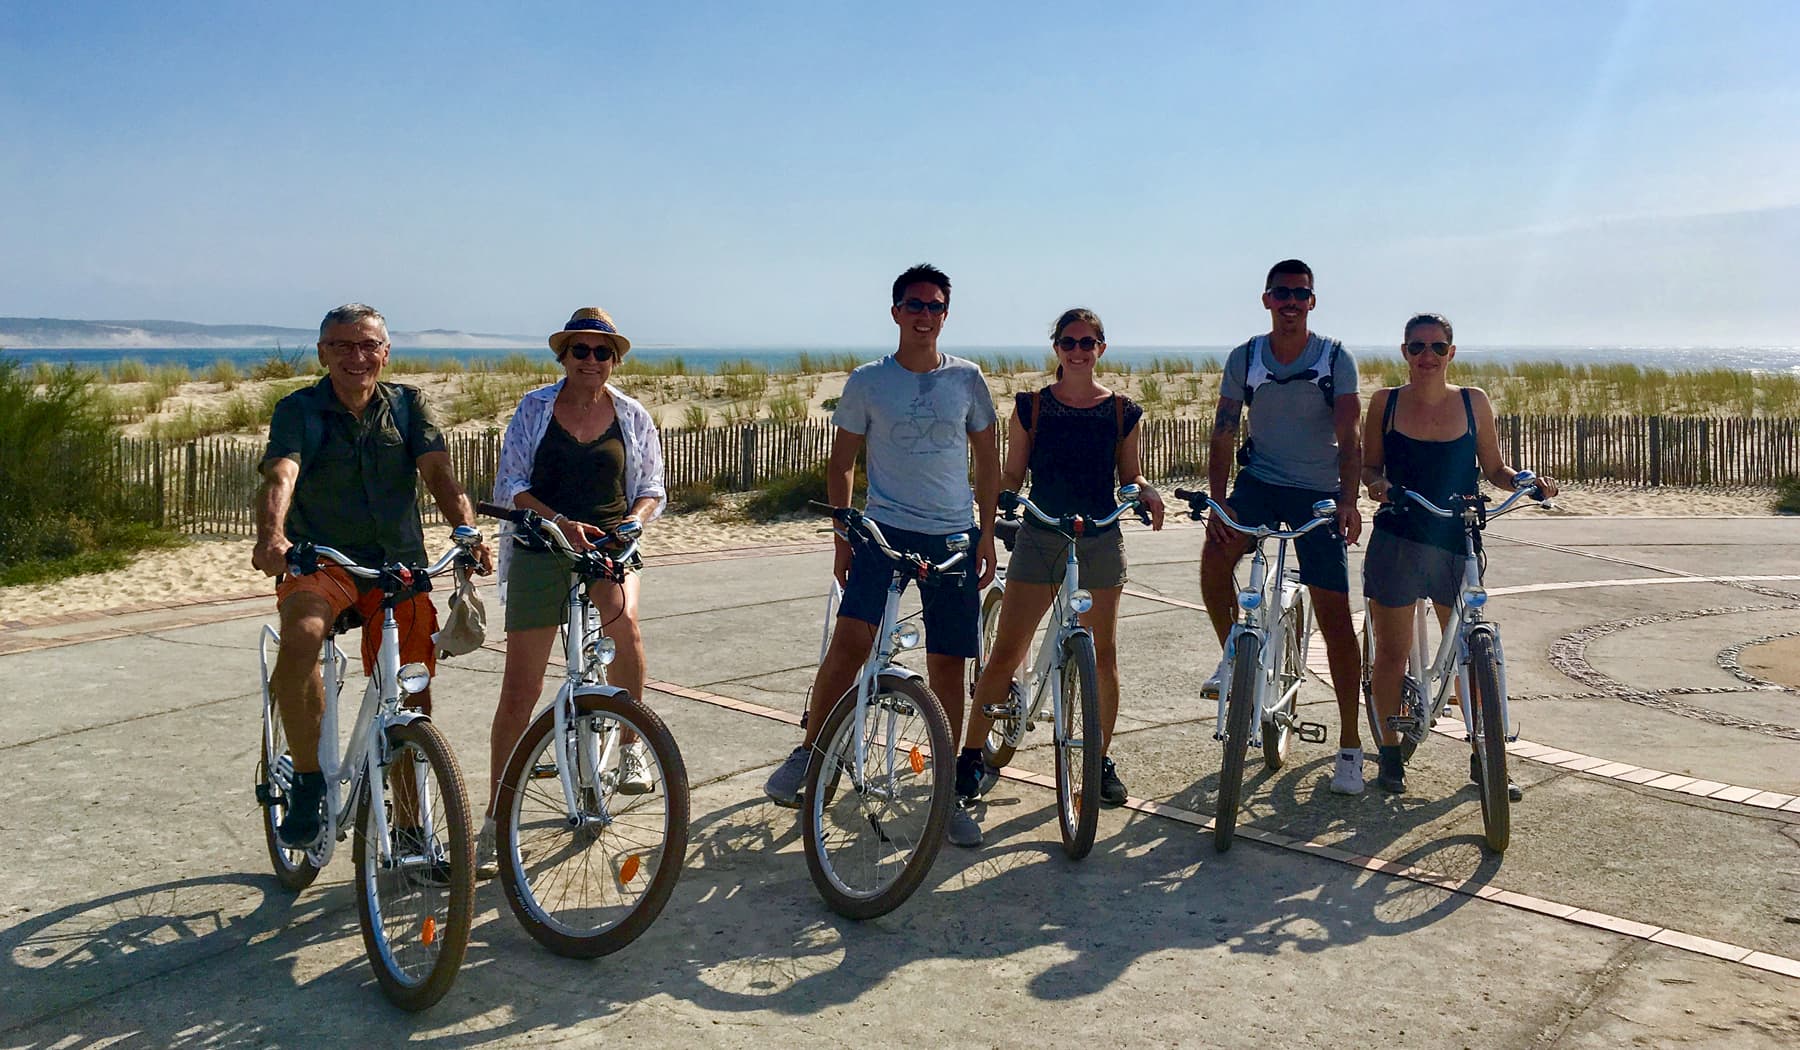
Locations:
{"points": [[1226, 420]]}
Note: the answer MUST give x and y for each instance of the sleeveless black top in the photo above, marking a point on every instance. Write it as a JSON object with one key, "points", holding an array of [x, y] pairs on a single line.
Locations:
{"points": [[1436, 470], [1075, 452], [581, 480]]}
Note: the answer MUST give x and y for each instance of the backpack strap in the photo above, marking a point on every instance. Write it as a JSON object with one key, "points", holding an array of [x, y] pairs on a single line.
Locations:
{"points": [[1328, 381], [312, 437]]}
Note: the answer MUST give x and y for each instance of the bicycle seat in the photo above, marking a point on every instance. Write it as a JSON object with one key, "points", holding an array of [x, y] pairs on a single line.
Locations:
{"points": [[1007, 532]]}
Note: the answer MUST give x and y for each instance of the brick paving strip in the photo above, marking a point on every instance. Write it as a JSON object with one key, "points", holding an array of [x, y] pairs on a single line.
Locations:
{"points": [[1642, 931]]}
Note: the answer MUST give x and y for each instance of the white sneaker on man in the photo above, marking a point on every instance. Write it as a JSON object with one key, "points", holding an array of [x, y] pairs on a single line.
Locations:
{"points": [[635, 766], [1347, 772], [1210, 688], [487, 853]]}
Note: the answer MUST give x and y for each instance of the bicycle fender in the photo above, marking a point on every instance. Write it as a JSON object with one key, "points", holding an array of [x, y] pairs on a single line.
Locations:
{"points": [[407, 716], [900, 671], [609, 692]]}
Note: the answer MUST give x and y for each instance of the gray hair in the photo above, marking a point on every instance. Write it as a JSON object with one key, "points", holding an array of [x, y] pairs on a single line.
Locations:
{"points": [[351, 313]]}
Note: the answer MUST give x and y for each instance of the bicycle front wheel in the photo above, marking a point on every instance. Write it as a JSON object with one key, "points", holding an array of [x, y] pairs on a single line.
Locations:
{"points": [[869, 842], [416, 893], [274, 780], [1078, 750], [1239, 709], [1490, 741], [589, 884]]}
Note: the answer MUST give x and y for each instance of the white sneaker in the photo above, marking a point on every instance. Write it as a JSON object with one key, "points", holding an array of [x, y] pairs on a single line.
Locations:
{"points": [[487, 853], [1347, 773], [634, 770], [1209, 689]]}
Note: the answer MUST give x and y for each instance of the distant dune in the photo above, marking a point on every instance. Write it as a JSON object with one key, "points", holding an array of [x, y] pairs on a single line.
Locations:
{"points": [[56, 333]]}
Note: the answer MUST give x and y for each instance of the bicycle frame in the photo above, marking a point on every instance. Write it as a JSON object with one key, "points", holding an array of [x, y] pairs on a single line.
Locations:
{"points": [[1066, 624], [881, 661], [586, 661]]}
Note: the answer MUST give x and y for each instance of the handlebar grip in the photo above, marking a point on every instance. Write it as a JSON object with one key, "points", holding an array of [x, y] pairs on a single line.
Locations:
{"points": [[1190, 496], [494, 510], [1009, 502], [303, 559]]}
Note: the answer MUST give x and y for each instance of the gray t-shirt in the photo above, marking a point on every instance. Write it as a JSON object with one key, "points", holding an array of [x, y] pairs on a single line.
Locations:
{"points": [[916, 427], [1292, 434]]}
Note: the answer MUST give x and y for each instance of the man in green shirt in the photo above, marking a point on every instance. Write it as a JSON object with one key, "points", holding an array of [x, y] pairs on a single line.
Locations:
{"points": [[342, 469]]}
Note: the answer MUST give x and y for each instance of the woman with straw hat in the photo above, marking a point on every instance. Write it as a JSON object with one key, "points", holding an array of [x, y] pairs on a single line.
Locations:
{"points": [[583, 454]]}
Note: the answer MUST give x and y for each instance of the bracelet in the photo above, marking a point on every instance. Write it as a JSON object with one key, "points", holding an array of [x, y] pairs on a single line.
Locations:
{"points": [[558, 520]]}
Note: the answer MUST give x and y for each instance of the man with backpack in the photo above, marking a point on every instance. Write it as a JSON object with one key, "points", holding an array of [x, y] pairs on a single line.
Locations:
{"points": [[1305, 446], [341, 469]]}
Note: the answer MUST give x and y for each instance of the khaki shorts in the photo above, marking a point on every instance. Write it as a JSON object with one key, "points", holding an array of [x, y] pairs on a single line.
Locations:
{"points": [[1040, 556], [537, 588]]}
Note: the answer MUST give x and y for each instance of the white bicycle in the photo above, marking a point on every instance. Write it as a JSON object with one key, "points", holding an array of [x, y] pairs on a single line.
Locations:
{"points": [[1064, 672], [396, 780], [1259, 699], [1469, 657], [588, 861]]}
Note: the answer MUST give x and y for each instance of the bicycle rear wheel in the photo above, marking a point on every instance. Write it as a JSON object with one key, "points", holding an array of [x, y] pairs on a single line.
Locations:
{"points": [[274, 780], [1490, 741], [1245, 668], [1003, 737], [587, 887], [416, 895], [1078, 752], [869, 844], [1296, 636]]}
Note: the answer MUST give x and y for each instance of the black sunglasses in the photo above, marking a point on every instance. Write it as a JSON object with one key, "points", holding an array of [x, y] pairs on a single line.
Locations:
{"points": [[1282, 293], [1069, 342], [1416, 348], [920, 306], [580, 352]]}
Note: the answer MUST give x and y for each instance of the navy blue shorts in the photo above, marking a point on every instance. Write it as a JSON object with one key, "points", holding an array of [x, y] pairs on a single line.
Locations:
{"points": [[952, 607], [1323, 561]]}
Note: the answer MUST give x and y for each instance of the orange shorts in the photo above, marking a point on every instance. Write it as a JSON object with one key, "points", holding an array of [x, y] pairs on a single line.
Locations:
{"points": [[416, 616]]}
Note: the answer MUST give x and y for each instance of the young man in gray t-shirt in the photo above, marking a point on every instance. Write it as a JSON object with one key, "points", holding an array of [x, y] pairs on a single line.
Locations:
{"points": [[920, 414], [1305, 446]]}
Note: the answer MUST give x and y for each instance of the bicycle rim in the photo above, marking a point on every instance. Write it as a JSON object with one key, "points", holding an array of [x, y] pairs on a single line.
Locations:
{"points": [[1238, 714], [1078, 753], [590, 887], [869, 844], [417, 908], [1490, 743]]}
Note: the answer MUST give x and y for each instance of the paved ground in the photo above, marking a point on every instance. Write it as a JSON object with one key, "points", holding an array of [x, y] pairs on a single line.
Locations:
{"points": [[138, 910]]}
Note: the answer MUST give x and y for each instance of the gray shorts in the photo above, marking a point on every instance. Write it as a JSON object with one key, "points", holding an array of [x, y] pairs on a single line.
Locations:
{"points": [[1040, 556], [537, 589], [1398, 572]]}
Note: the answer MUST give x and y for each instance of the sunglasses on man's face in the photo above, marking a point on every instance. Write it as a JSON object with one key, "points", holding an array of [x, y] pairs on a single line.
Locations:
{"points": [[580, 352], [1281, 293], [1416, 348], [920, 306], [1069, 342]]}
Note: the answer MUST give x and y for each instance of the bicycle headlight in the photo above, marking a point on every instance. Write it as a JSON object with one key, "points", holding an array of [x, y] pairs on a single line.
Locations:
{"points": [[1475, 597], [603, 650], [1250, 601], [414, 678], [905, 636], [1081, 601]]}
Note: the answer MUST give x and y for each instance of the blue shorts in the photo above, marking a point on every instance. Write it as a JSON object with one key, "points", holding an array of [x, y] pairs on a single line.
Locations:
{"points": [[952, 607], [1323, 561]]}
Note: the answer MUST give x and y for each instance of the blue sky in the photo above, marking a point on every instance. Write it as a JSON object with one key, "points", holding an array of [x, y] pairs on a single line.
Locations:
{"points": [[1608, 173]]}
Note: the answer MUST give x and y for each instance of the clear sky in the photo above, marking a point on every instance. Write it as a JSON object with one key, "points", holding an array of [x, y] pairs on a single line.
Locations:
{"points": [[1546, 173]]}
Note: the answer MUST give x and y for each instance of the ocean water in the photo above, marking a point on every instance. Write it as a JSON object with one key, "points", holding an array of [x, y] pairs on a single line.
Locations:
{"points": [[709, 358]]}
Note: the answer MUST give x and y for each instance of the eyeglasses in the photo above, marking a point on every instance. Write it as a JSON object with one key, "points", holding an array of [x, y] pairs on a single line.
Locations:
{"points": [[920, 306], [344, 346], [1416, 348], [1281, 293], [580, 352], [1069, 342]]}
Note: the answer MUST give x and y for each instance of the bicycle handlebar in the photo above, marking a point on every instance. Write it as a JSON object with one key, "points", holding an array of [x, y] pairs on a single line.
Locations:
{"points": [[1321, 516], [302, 558], [627, 532], [1011, 502], [854, 521], [1524, 486]]}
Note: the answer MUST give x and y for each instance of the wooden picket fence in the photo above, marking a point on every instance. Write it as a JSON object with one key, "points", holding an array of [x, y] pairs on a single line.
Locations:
{"points": [[209, 485]]}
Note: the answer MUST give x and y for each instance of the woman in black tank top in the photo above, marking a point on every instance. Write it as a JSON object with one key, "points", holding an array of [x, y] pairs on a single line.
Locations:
{"points": [[1076, 439], [1440, 441]]}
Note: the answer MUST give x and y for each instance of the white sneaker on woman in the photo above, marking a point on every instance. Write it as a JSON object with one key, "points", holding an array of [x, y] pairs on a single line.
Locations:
{"points": [[1347, 772]]}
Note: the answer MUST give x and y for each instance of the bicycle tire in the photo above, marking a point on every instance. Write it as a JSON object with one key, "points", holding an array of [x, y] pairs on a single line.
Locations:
{"points": [[598, 908], [1490, 745], [415, 921], [1238, 713], [294, 870], [1004, 736], [863, 879], [1296, 636], [1078, 769], [1368, 683]]}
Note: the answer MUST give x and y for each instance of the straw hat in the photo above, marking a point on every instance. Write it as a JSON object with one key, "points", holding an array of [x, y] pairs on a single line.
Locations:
{"points": [[590, 319]]}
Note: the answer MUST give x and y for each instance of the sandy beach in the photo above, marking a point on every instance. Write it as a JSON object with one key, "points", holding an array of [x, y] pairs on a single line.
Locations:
{"points": [[213, 568]]}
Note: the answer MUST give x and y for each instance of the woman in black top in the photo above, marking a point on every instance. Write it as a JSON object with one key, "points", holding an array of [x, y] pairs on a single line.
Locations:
{"points": [[1075, 437], [1438, 440]]}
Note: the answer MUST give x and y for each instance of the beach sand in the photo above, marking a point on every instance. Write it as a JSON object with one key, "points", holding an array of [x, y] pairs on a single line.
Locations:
{"points": [[220, 568]]}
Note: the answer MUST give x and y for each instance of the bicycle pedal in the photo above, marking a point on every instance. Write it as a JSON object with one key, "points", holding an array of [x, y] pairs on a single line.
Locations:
{"points": [[1403, 725], [1001, 710], [1311, 732], [265, 797]]}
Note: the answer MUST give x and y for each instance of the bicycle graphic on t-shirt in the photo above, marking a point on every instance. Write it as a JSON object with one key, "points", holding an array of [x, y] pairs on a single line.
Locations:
{"points": [[923, 431]]}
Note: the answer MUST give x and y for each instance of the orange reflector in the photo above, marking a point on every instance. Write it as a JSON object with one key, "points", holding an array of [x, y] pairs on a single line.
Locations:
{"points": [[917, 759], [428, 930], [629, 869]]}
